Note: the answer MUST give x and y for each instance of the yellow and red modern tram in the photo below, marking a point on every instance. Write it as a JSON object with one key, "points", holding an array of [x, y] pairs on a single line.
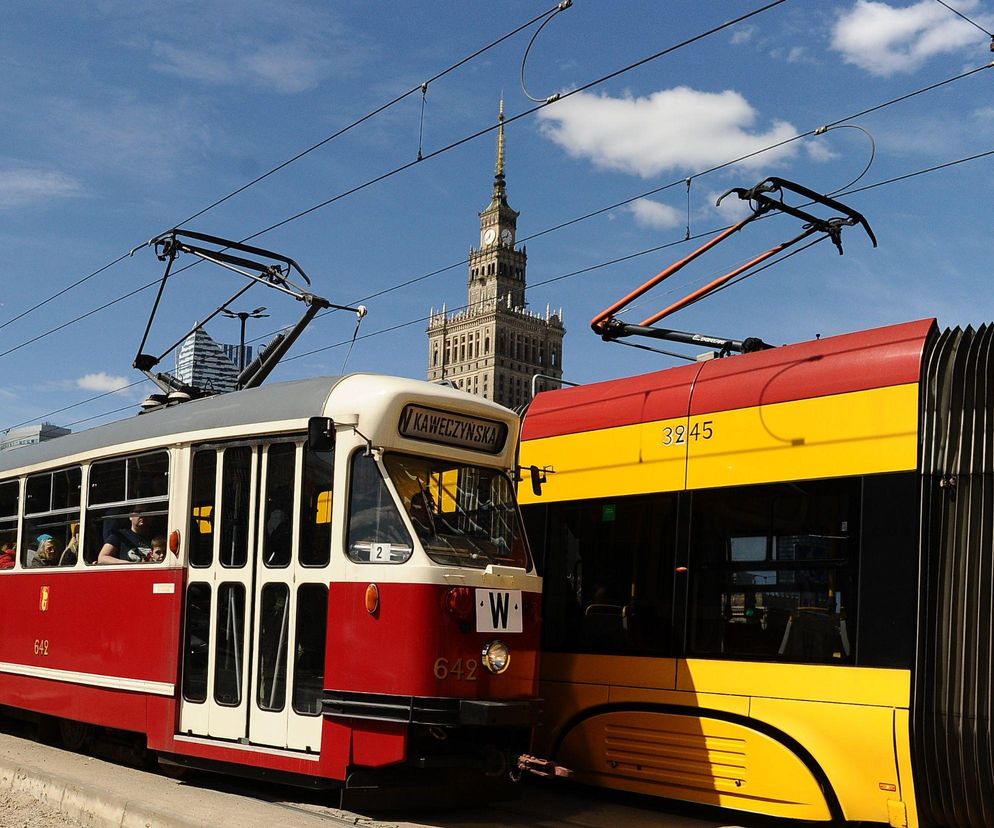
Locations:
{"points": [[346, 596], [769, 578]]}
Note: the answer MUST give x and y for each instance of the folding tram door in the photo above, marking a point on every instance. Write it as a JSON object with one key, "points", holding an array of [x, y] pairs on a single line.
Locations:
{"points": [[257, 594]]}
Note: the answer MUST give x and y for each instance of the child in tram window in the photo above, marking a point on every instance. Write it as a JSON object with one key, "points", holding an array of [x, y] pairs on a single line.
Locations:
{"points": [[7, 556], [158, 552]]}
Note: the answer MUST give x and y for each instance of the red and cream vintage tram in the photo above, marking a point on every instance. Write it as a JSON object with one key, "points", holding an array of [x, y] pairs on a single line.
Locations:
{"points": [[344, 591]]}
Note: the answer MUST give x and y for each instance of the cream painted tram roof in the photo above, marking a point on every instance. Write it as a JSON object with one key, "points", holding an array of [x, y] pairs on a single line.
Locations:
{"points": [[294, 400]]}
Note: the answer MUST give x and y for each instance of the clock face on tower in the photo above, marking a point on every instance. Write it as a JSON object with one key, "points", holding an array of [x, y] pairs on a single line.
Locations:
{"points": [[489, 235], [506, 235]]}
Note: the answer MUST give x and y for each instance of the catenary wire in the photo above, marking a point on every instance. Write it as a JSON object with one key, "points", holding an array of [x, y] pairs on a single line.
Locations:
{"points": [[485, 131], [296, 157], [630, 256], [973, 23], [837, 123], [454, 145], [542, 283]]}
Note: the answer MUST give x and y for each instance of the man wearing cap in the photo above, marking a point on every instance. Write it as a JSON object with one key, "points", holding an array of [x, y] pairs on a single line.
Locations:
{"points": [[127, 545]]}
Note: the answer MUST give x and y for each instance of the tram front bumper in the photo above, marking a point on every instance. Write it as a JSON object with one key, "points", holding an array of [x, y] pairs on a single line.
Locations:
{"points": [[432, 711]]}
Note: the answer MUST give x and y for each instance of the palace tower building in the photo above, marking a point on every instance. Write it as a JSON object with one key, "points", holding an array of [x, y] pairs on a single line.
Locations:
{"points": [[496, 345]]}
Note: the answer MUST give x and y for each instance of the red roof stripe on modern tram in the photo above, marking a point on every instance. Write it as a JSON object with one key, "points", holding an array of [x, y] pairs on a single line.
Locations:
{"points": [[859, 361]]}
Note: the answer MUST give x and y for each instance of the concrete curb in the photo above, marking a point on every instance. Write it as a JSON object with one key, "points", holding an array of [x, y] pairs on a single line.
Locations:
{"points": [[104, 794], [91, 806]]}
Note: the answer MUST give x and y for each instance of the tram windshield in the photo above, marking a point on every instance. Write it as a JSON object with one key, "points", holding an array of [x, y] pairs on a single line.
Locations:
{"points": [[464, 515]]}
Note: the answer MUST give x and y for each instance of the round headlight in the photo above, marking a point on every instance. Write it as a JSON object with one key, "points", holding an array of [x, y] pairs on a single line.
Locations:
{"points": [[496, 657]]}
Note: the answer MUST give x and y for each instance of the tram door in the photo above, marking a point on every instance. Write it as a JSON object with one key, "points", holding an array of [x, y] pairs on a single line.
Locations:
{"points": [[256, 597]]}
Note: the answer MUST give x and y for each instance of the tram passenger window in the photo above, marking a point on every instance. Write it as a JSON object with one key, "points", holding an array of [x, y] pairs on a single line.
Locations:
{"points": [[127, 514], [315, 507], [274, 620], [200, 534], [773, 571], [196, 642], [608, 569], [308, 668], [277, 535], [9, 497], [50, 535], [376, 533], [229, 635], [236, 504]]}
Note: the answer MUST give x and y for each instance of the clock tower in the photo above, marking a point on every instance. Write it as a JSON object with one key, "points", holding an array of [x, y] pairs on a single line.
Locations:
{"points": [[496, 345]]}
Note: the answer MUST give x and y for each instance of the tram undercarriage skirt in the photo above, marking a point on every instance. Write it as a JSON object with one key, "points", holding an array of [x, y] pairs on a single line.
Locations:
{"points": [[427, 710]]}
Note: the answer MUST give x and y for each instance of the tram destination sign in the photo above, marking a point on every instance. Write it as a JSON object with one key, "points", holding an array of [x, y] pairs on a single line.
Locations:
{"points": [[448, 428]]}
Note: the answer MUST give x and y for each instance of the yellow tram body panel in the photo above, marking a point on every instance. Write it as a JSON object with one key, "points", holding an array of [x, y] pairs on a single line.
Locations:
{"points": [[736, 746], [862, 432], [779, 737]]}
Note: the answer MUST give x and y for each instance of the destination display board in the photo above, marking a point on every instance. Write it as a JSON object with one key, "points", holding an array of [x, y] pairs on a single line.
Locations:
{"points": [[451, 429]]}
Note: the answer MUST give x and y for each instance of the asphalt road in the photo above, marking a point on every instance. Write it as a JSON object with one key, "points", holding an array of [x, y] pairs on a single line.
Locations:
{"points": [[44, 785]]}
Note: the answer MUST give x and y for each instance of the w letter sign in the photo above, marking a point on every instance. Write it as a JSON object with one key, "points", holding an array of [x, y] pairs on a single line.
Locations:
{"points": [[498, 610]]}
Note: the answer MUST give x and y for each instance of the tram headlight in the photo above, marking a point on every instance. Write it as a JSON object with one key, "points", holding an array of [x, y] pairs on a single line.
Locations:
{"points": [[496, 657]]}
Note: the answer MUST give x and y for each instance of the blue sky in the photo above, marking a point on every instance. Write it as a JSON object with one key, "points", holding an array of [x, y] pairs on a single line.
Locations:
{"points": [[120, 119]]}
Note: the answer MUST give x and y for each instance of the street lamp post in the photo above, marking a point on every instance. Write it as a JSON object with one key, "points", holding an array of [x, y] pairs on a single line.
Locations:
{"points": [[242, 316]]}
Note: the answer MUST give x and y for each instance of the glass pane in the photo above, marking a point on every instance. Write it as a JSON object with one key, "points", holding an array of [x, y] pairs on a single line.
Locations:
{"points": [[38, 494], [148, 475], [196, 642], [8, 543], [65, 488], [609, 575], [274, 616], [308, 669], [278, 535], [464, 515], [230, 635], [8, 498], [748, 549], [200, 535], [126, 534], [236, 484], [107, 482], [51, 541], [793, 601], [315, 508], [376, 532]]}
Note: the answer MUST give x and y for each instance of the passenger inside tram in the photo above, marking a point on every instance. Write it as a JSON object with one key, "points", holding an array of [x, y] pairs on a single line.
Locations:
{"points": [[47, 552], [128, 544], [158, 552], [8, 555]]}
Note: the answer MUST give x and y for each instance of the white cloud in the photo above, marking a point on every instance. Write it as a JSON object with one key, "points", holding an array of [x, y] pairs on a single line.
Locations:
{"points": [[673, 129], [884, 39], [819, 150], [287, 47], [655, 214], [743, 34], [282, 67], [20, 187], [102, 381]]}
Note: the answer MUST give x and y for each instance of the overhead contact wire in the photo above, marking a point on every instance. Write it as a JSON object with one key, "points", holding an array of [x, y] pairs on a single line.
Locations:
{"points": [[297, 157]]}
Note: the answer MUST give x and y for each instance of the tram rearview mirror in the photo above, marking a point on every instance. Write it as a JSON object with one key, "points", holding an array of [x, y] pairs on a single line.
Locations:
{"points": [[538, 478], [321, 433]]}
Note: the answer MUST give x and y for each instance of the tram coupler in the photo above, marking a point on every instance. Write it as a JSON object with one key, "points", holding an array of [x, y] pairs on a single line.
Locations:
{"points": [[545, 768]]}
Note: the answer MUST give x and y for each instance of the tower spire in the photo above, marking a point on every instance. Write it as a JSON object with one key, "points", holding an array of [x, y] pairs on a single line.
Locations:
{"points": [[499, 192]]}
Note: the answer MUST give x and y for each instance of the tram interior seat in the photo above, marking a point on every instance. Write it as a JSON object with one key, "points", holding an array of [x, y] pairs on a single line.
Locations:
{"points": [[605, 627], [814, 634]]}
